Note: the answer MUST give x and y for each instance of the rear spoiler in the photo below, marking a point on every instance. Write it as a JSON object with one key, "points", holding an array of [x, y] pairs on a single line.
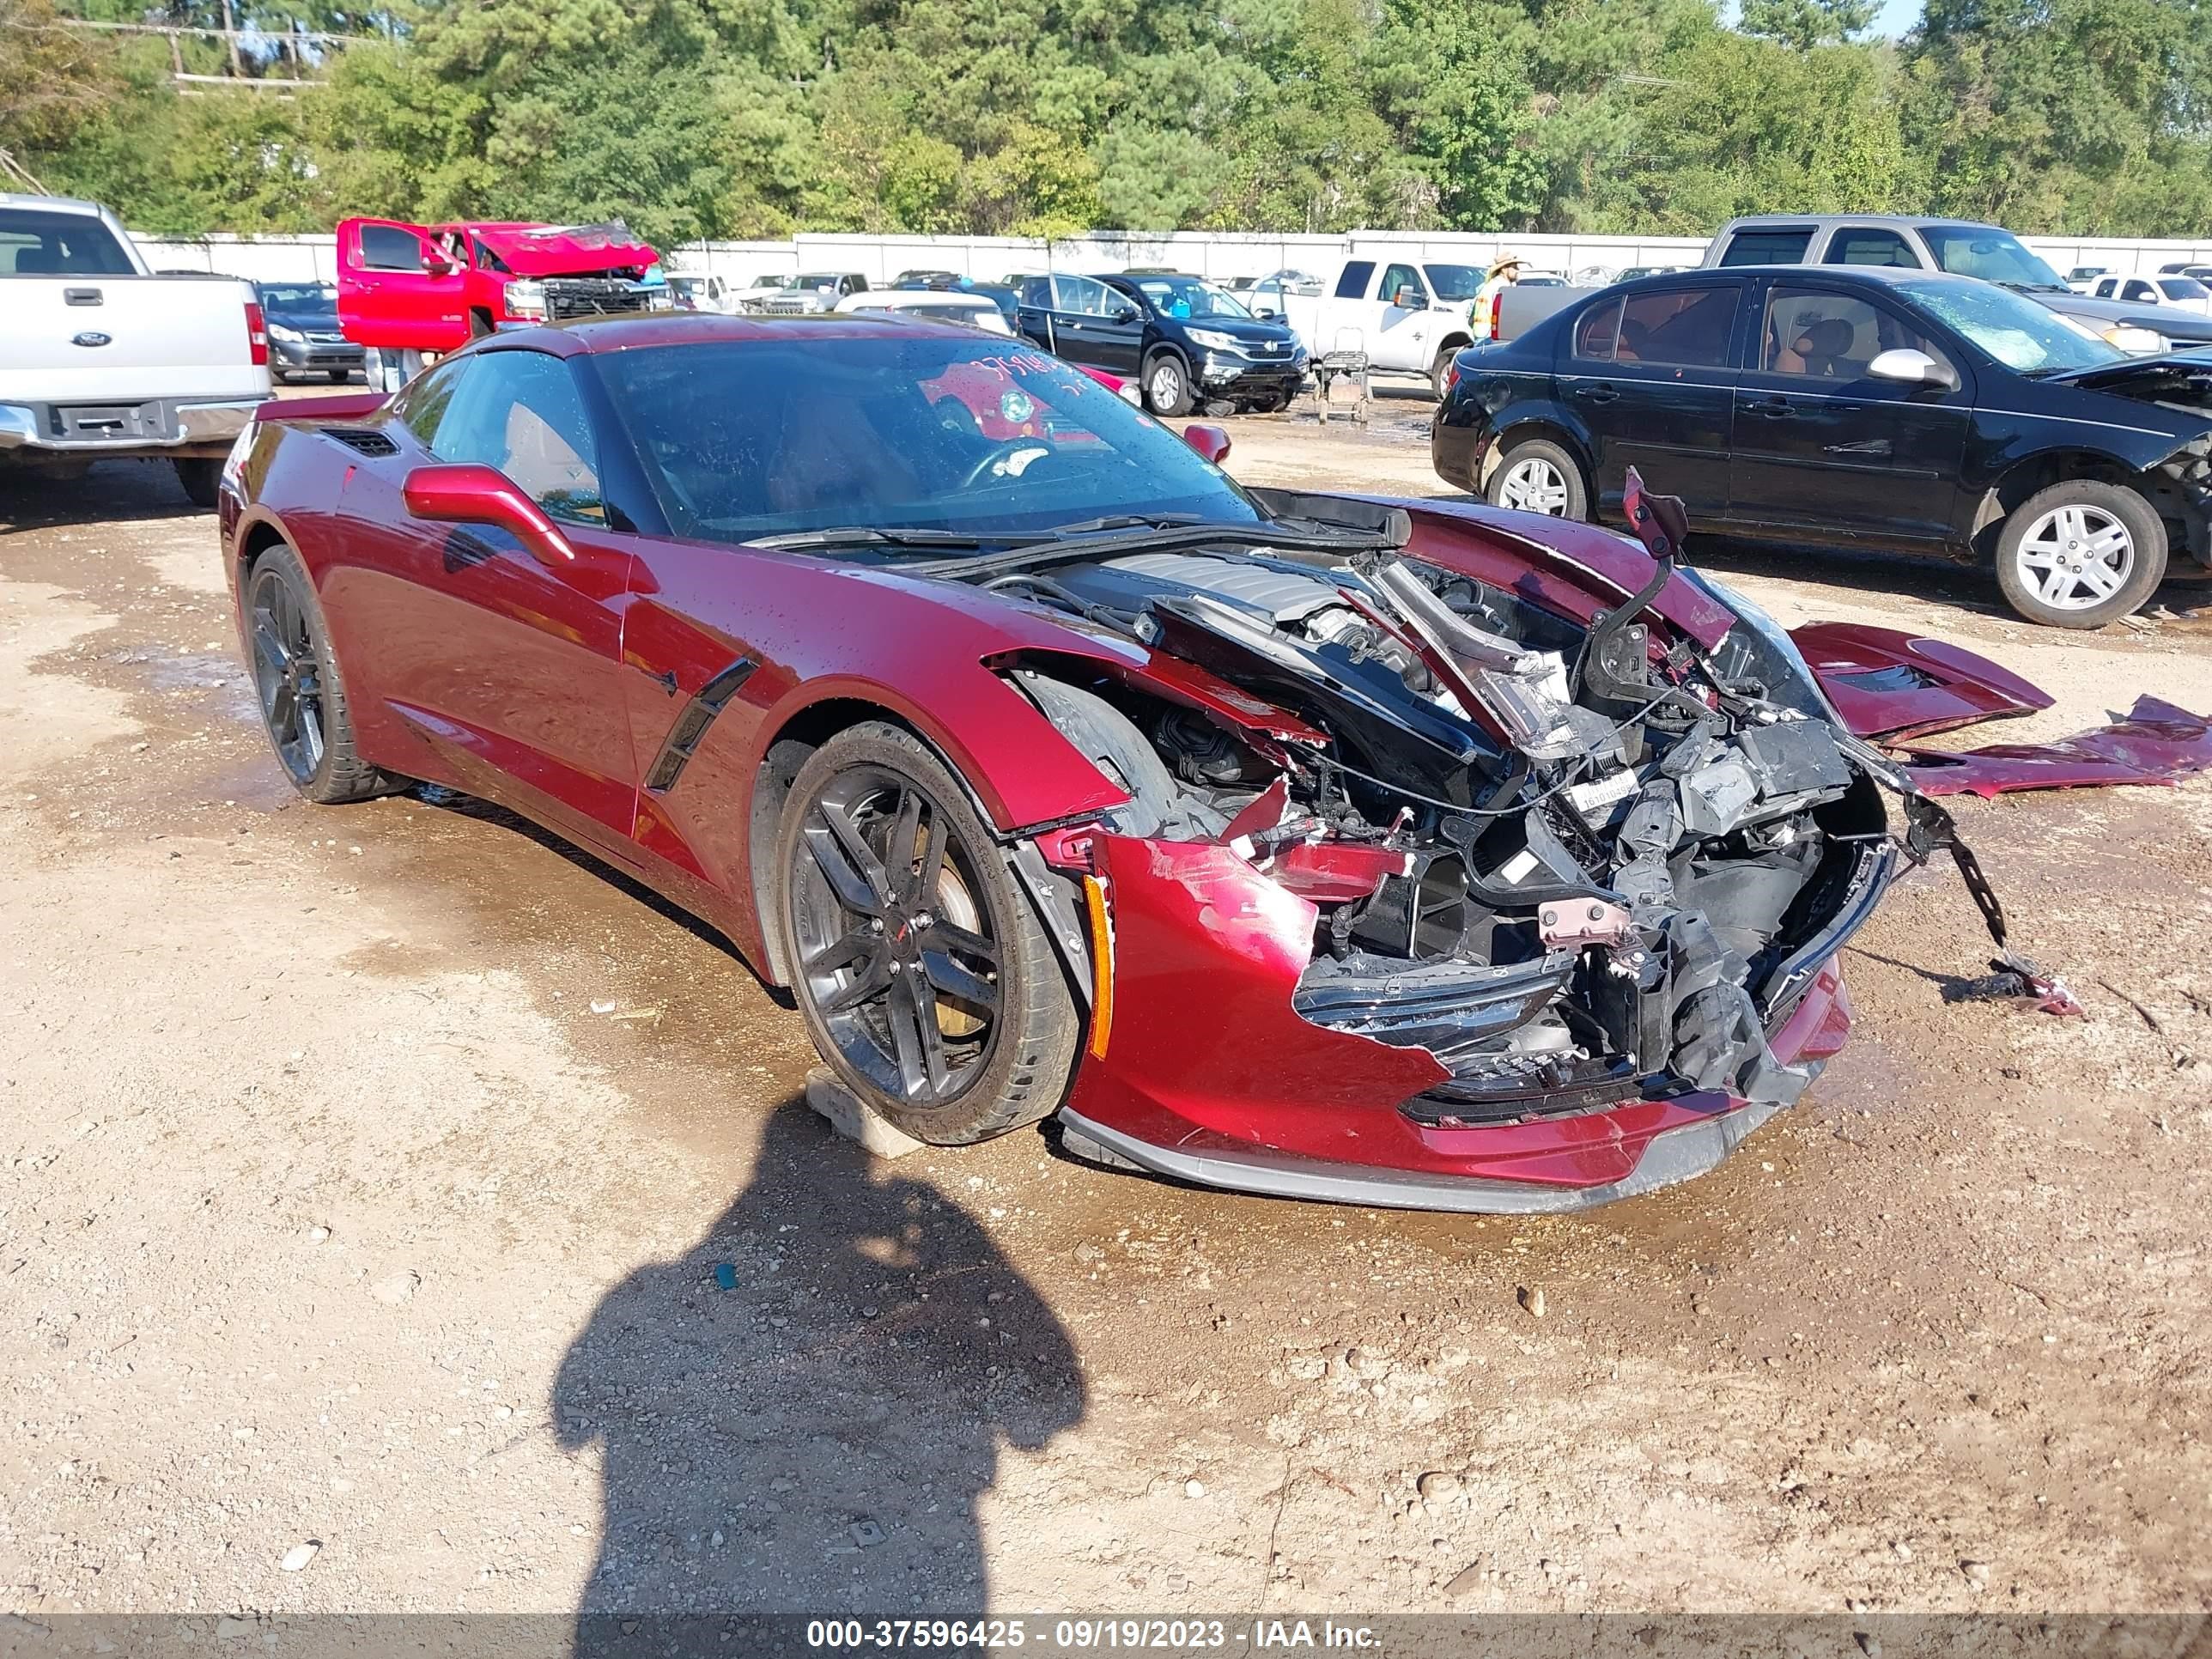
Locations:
{"points": [[351, 406]]}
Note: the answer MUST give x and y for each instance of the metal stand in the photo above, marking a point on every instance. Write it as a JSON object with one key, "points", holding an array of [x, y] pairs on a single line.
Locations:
{"points": [[1346, 366]]}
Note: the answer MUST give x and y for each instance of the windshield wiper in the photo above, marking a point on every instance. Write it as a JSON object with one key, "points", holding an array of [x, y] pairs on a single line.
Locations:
{"points": [[1127, 521], [1075, 544], [860, 535]]}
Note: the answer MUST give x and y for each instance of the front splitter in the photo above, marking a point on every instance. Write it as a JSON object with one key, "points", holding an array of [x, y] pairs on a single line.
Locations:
{"points": [[1676, 1155]]}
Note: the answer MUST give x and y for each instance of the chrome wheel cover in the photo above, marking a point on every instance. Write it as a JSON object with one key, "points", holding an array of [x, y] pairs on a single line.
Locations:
{"points": [[2076, 558], [1533, 485]]}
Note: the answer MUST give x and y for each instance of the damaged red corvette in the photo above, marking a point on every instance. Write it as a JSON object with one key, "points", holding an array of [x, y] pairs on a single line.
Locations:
{"points": [[1408, 853]]}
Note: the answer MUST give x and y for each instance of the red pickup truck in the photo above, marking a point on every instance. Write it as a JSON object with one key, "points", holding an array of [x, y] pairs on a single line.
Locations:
{"points": [[433, 287]]}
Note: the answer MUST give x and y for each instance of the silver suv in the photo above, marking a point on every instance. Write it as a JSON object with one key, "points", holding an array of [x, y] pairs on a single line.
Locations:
{"points": [[1964, 249]]}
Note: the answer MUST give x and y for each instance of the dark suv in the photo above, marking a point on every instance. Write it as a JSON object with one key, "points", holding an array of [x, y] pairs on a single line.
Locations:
{"points": [[1887, 409], [1182, 339]]}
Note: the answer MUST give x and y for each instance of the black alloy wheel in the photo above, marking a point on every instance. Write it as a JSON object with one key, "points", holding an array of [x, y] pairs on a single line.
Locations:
{"points": [[302, 692], [287, 672], [924, 977]]}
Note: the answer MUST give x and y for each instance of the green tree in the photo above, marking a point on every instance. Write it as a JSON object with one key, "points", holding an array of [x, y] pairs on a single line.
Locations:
{"points": [[1803, 24]]}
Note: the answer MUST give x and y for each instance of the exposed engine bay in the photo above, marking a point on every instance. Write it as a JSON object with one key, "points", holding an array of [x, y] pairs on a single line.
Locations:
{"points": [[1576, 864]]}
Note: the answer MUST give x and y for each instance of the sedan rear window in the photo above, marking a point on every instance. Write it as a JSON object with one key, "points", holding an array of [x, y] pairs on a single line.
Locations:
{"points": [[1784, 245], [1679, 327], [1595, 333]]}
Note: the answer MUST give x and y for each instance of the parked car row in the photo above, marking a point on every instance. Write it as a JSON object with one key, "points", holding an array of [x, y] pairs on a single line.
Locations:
{"points": [[1860, 404]]}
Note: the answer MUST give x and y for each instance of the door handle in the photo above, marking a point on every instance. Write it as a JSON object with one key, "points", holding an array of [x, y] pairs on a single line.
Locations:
{"points": [[1773, 409], [1596, 394]]}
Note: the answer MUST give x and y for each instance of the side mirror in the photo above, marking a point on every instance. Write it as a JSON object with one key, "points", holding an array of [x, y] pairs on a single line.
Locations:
{"points": [[436, 264], [1210, 441], [1267, 313], [1123, 314], [1908, 367], [471, 493], [1409, 298]]}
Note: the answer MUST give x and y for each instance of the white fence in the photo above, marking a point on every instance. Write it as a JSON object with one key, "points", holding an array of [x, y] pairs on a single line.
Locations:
{"points": [[1218, 254]]}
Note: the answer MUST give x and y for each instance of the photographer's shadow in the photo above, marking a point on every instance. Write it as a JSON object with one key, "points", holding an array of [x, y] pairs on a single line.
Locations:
{"points": [[814, 1439]]}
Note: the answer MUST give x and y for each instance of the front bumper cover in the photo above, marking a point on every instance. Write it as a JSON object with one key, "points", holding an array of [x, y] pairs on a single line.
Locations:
{"points": [[1257, 1098], [1224, 375]]}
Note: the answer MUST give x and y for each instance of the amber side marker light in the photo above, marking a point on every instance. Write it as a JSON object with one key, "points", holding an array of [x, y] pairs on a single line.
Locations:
{"points": [[1102, 967]]}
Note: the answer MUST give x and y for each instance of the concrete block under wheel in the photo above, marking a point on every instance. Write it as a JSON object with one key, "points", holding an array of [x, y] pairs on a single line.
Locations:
{"points": [[850, 1117]]}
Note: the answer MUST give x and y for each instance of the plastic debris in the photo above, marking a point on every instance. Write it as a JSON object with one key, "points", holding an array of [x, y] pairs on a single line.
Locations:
{"points": [[725, 1276], [2014, 977]]}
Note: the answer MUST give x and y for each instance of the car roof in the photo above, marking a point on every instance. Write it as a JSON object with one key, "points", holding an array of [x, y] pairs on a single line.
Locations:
{"points": [[1888, 276], [1905, 221], [589, 336], [56, 204]]}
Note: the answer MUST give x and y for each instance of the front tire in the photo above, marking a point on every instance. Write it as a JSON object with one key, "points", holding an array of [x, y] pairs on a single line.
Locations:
{"points": [[1167, 385], [1440, 370], [300, 689], [1537, 476], [202, 481], [921, 969], [2081, 554]]}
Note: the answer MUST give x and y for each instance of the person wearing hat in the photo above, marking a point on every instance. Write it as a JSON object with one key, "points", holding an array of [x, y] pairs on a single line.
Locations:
{"points": [[1504, 271]]}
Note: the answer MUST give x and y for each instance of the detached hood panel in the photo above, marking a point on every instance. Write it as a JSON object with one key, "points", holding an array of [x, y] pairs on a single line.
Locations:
{"points": [[1886, 684]]}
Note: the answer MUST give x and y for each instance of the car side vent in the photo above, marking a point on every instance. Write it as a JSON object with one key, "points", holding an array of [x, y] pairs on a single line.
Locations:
{"points": [[368, 442]]}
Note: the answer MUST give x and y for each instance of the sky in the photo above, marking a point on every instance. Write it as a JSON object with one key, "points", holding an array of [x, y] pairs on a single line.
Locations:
{"points": [[1897, 16]]}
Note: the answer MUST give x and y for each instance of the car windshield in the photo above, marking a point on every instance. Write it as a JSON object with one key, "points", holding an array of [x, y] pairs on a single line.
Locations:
{"points": [[1454, 283], [1186, 296], [2183, 288], [1995, 256], [951, 432], [2016, 331], [312, 296], [817, 279]]}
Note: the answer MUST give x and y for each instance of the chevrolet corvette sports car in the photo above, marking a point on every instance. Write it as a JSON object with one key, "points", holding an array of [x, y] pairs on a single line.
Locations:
{"points": [[1413, 854]]}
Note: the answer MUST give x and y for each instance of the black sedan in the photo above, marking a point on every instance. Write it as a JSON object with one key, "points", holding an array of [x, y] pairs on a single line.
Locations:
{"points": [[304, 338], [1902, 410]]}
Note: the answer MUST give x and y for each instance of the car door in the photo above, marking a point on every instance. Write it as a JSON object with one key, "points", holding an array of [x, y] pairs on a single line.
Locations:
{"points": [[1820, 447], [2140, 292], [397, 289], [1403, 340], [1651, 377], [1098, 327], [503, 654]]}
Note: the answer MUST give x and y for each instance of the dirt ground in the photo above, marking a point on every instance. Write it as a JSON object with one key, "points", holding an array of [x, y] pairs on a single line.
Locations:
{"points": [[365, 1174]]}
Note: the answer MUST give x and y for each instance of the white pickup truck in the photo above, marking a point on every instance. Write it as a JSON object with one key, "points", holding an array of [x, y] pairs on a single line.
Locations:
{"points": [[99, 358], [1407, 316]]}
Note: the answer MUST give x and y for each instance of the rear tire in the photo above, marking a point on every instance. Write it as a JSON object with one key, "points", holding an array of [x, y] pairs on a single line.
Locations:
{"points": [[1537, 476], [2081, 554], [300, 689], [925, 980], [202, 479], [1167, 385]]}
